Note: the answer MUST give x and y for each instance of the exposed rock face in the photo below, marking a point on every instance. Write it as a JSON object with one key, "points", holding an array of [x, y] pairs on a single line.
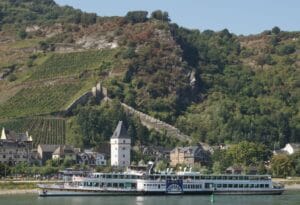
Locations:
{"points": [[98, 42]]}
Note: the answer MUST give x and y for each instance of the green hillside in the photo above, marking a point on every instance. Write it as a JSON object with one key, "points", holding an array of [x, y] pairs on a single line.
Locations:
{"points": [[70, 64], [39, 100], [213, 85]]}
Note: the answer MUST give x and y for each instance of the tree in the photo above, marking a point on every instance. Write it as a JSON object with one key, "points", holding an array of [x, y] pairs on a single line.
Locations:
{"points": [[281, 165], [160, 15], [136, 16], [4, 170], [161, 166], [276, 30], [68, 161], [248, 153], [217, 168], [22, 34]]}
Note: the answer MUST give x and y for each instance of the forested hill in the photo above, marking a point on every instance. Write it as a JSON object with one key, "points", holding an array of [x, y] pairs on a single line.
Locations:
{"points": [[213, 85]]}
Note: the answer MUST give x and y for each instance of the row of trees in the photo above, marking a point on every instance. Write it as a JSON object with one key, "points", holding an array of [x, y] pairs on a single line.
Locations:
{"points": [[142, 16]]}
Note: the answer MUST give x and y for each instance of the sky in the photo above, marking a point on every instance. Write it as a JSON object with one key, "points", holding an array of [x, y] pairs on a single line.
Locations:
{"points": [[238, 16]]}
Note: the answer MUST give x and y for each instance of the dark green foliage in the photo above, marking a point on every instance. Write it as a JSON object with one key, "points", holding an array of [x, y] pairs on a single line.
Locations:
{"points": [[241, 104], [136, 16], [243, 154], [22, 34], [94, 126], [276, 30], [160, 15], [4, 170], [285, 49], [22, 12]]}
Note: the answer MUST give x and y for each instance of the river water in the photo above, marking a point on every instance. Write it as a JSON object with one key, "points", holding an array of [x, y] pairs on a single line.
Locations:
{"points": [[288, 198]]}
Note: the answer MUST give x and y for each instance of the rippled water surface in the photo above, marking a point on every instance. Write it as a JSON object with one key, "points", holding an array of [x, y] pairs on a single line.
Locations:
{"points": [[288, 198]]}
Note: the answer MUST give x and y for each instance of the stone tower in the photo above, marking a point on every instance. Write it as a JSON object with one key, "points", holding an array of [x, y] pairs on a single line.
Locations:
{"points": [[120, 146]]}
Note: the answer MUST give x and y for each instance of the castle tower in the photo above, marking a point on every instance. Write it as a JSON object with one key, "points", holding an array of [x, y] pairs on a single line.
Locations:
{"points": [[120, 146]]}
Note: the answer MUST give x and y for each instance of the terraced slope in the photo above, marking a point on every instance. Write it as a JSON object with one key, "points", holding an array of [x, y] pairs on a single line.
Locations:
{"points": [[39, 100], [44, 130], [66, 64]]}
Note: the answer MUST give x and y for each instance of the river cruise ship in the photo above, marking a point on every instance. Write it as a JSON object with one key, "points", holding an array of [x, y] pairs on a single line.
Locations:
{"points": [[147, 183]]}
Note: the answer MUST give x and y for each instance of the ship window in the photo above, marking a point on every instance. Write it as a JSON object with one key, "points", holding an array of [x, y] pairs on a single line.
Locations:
{"points": [[267, 185], [235, 185], [224, 185], [108, 176], [230, 177], [158, 186], [202, 177], [219, 177], [230, 185], [115, 185], [261, 186], [251, 185], [246, 185], [121, 185], [4, 156], [240, 185], [123, 155], [219, 185], [224, 177], [197, 177], [241, 178], [256, 185]]}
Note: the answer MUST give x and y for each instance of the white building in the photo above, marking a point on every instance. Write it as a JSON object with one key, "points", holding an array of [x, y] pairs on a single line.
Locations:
{"points": [[100, 159], [291, 148], [120, 146]]}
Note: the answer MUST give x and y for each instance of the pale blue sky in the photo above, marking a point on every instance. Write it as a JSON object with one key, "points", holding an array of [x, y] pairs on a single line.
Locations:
{"points": [[239, 16]]}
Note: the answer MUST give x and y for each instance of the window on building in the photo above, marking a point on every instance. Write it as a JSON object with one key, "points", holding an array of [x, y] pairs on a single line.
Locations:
{"points": [[123, 155], [123, 148], [4, 156], [124, 141]]}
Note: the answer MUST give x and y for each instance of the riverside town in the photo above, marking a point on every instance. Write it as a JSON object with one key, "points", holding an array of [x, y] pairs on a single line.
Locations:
{"points": [[193, 102]]}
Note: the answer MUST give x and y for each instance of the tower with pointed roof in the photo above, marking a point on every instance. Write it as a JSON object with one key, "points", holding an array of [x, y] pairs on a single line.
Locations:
{"points": [[120, 146]]}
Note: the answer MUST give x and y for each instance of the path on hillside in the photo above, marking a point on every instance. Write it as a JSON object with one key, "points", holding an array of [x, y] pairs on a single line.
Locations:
{"points": [[147, 120], [156, 124]]}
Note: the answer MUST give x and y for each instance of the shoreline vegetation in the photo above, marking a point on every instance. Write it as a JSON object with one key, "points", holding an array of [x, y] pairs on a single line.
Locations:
{"points": [[30, 187]]}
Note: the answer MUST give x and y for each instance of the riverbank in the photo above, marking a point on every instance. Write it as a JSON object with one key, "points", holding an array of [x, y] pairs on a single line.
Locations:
{"points": [[18, 191], [21, 187], [289, 183]]}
